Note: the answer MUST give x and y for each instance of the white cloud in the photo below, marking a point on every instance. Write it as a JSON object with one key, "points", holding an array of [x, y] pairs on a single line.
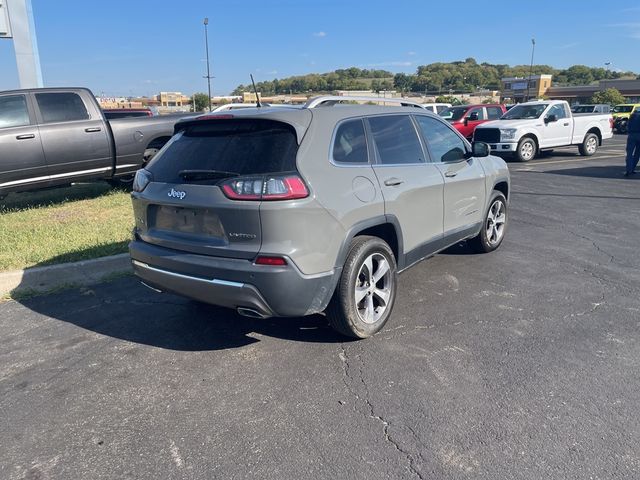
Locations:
{"points": [[396, 63], [320, 34], [272, 72], [411, 54]]}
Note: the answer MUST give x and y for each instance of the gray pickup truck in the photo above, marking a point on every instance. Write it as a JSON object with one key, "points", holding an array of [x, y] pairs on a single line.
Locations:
{"points": [[56, 136]]}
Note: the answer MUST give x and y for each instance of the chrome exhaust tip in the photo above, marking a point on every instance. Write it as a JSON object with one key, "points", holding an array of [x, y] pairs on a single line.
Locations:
{"points": [[150, 287], [249, 312]]}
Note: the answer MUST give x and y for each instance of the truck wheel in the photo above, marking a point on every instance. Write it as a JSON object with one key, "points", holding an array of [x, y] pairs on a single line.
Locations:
{"points": [[589, 145], [494, 226], [527, 149], [366, 291], [149, 153], [622, 126]]}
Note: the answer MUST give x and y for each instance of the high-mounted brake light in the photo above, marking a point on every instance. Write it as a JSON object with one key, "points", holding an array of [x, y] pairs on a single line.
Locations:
{"points": [[272, 261], [274, 187], [214, 117]]}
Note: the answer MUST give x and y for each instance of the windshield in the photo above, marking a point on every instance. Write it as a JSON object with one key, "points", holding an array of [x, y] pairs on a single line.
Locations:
{"points": [[453, 113], [521, 112], [583, 109], [622, 109]]}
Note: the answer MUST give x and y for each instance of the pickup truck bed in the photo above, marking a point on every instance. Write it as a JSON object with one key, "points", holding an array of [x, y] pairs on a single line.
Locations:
{"points": [[56, 136]]}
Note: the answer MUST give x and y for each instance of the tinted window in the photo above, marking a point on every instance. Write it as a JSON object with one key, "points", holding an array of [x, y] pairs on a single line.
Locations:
{"points": [[558, 110], [494, 113], [478, 111], [13, 111], [453, 113], [445, 145], [350, 145], [61, 107], [396, 139], [245, 147]]}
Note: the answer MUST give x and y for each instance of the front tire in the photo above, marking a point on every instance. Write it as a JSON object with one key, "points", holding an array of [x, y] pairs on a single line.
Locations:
{"points": [[366, 291], [527, 149], [494, 226], [589, 145]]}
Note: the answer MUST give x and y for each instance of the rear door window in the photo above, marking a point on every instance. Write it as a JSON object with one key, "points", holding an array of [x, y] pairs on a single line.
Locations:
{"points": [[61, 107], [13, 111], [350, 144], [396, 140], [238, 146]]}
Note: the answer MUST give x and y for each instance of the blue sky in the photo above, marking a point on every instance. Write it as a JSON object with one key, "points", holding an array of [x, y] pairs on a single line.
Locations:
{"points": [[142, 47]]}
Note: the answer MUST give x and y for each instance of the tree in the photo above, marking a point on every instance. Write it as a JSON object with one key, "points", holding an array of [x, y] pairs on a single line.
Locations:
{"points": [[611, 96], [201, 101], [450, 99]]}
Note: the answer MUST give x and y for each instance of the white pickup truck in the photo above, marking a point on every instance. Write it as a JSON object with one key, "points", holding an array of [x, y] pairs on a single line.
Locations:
{"points": [[529, 128]]}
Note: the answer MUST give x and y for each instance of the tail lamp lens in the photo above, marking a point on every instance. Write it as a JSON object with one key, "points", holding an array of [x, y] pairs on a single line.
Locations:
{"points": [[141, 180], [277, 187]]}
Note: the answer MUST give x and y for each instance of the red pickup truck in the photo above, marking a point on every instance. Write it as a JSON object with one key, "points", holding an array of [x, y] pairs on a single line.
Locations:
{"points": [[465, 118]]}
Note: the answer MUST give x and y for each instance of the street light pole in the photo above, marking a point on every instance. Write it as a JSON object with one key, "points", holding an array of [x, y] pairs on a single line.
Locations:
{"points": [[206, 43], [533, 48]]}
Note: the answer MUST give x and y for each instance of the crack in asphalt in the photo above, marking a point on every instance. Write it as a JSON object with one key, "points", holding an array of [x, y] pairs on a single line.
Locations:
{"points": [[346, 368]]}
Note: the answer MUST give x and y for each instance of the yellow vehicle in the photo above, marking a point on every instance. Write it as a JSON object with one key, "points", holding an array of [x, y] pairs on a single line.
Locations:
{"points": [[621, 114]]}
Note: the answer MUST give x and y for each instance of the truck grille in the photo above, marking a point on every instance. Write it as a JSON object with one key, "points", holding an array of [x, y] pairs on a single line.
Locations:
{"points": [[488, 135]]}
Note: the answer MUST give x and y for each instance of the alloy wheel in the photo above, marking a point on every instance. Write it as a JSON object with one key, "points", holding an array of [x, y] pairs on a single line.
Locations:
{"points": [[496, 220], [373, 288]]}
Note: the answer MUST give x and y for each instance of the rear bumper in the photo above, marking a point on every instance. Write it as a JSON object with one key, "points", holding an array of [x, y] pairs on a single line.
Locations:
{"points": [[498, 148], [233, 283]]}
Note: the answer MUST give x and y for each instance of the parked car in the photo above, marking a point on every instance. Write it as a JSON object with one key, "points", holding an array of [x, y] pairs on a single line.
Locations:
{"points": [[531, 127], [435, 107], [621, 114], [599, 108], [55, 136], [113, 113], [292, 212], [465, 118]]}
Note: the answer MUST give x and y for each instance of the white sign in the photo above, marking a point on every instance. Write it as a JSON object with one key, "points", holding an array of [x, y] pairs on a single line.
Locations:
{"points": [[5, 24]]}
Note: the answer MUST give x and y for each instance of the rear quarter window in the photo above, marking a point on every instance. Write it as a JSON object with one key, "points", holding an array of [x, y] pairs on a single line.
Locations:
{"points": [[240, 146]]}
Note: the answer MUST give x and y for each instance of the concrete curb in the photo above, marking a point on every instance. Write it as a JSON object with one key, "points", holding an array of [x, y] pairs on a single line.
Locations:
{"points": [[44, 279]]}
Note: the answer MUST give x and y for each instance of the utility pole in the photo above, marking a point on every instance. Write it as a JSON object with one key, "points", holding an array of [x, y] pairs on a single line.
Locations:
{"points": [[16, 21], [206, 43], [533, 49]]}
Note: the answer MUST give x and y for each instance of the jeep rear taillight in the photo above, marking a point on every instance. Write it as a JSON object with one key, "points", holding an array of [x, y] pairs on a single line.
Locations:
{"points": [[273, 187]]}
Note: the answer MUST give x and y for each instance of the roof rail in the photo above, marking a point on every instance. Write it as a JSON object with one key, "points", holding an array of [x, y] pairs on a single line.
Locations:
{"points": [[330, 100]]}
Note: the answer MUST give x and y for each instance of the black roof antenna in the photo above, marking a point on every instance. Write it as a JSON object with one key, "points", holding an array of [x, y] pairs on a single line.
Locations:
{"points": [[258, 104]]}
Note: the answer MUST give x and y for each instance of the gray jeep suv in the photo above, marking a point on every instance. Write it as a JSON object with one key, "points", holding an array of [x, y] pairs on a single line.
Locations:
{"points": [[291, 212]]}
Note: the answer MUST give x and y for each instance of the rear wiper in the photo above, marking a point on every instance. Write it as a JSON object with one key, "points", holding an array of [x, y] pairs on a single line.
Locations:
{"points": [[205, 174]]}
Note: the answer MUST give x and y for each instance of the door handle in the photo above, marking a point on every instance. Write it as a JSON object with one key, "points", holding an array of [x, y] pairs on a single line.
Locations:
{"points": [[566, 124], [26, 136], [450, 174], [393, 181], [92, 129]]}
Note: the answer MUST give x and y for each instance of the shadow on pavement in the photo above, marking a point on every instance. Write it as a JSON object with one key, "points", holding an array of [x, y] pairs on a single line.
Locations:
{"points": [[126, 310], [54, 196], [609, 171]]}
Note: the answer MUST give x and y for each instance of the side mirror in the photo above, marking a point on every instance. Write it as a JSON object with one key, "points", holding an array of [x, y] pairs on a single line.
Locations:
{"points": [[480, 149], [550, 118]]}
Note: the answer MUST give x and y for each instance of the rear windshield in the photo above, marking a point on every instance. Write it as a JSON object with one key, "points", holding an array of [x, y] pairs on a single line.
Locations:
{"points": [[238, 146], [583, 109]]}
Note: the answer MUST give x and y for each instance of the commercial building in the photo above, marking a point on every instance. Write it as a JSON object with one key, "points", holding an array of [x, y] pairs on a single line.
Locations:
{"points": [[173, 99], [630, 89], [521, 89]]}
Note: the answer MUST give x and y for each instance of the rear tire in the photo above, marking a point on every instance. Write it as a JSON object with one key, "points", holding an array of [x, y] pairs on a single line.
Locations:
{"points": [[527, 149], [589, 145], [494, 226], [366, 291]]}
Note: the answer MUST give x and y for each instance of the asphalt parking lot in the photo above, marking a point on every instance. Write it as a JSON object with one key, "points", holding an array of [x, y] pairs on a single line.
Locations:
{"points": [[520, 364]]}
